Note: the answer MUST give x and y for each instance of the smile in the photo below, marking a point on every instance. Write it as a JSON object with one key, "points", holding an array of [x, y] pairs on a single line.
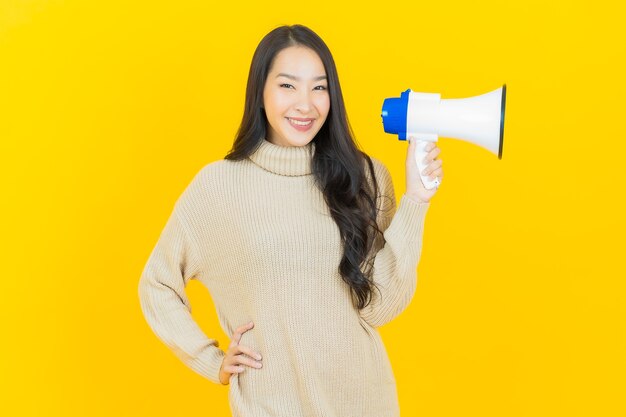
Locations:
{"points": [[300, 123]]}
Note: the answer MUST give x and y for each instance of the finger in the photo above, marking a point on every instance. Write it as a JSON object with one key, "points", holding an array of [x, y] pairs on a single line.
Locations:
{"points": [[246, 360], [431, 146], [412, 144], [432, 167], [248, 351], [235, 353], [410, 152], [234, 369], [430, 156], [436, 173], [240, 330], [244, 327]]}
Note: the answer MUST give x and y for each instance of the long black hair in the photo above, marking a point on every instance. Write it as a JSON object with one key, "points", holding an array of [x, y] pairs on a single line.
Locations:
{"points": [[338, 166]]}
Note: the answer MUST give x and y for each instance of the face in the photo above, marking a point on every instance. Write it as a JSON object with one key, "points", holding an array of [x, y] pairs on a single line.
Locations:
{"points": [[295, 97]]}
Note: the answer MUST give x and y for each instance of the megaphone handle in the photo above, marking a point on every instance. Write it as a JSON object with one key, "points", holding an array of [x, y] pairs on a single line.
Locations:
{"points": [[420, 154]]}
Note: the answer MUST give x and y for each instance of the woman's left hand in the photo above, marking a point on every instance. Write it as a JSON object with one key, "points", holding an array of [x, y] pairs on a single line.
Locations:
{"points": [[414, 187]]}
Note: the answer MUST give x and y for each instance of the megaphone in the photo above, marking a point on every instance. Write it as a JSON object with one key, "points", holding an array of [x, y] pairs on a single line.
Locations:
{"points": [[425, 117]]}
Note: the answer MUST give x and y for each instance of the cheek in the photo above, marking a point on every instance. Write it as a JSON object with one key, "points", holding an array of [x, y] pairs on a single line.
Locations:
{"points": [[323, 104], [276, 101]]}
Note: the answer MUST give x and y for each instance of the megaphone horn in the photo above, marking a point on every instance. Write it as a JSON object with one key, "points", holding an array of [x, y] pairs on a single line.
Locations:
{"points": [[425, 117]]}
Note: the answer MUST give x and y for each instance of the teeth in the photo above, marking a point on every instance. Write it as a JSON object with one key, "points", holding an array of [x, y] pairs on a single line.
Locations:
{"points": [[296, 122]]}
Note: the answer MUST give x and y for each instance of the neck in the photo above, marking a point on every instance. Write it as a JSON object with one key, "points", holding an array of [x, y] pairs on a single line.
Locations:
{"points": [[284, 160]]}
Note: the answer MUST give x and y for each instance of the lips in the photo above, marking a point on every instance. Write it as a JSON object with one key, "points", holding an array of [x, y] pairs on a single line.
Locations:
{"points": [[300, 124]]}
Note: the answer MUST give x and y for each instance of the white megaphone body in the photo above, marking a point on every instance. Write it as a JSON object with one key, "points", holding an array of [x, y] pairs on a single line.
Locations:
{"points": [[425, 117]]}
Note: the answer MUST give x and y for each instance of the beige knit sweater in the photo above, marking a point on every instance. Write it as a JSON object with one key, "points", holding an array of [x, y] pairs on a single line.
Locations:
{"points": [[258, 234]]}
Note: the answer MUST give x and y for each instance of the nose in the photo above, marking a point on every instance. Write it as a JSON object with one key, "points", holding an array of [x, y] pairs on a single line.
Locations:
{"points": [[303, 105]]}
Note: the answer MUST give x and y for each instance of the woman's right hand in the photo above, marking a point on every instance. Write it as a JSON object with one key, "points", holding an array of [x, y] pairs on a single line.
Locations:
{"points": [[414, 186], [234, 361]]}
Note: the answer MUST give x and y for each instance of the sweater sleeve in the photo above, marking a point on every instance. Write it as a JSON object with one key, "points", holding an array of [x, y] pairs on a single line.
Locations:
{"points": [[395, 262], [165, 305]]}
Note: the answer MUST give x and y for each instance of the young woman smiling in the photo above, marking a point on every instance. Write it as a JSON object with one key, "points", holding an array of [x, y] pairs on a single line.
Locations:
{"points": [[298, 239]]}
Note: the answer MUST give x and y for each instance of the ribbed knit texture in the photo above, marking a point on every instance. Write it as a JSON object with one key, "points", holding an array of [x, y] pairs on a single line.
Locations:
{"points": [[258, 234]]}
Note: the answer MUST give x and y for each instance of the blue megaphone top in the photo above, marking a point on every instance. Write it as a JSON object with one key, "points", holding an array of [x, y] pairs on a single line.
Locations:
{"points": [[394, 114]]}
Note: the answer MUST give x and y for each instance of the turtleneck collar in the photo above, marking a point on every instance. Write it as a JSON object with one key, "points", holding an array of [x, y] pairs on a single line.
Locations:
{"points": [[290, 161]]}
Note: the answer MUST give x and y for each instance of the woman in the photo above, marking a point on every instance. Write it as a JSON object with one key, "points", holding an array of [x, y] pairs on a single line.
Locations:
{"points": [[297, 237]]}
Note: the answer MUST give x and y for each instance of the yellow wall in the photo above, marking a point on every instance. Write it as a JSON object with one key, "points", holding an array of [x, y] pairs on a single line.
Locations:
{"points": [[107, 110]]}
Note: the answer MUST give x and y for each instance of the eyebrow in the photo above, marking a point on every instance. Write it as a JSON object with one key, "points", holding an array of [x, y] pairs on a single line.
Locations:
{"points": [[293, 77]]}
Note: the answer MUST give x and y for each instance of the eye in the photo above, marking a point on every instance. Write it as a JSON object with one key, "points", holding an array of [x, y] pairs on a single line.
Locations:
{"points": [[323, 88], [286, 84]]}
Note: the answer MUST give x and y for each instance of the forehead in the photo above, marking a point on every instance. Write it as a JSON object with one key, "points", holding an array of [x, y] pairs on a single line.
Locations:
{"points": [[298, 60]]}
